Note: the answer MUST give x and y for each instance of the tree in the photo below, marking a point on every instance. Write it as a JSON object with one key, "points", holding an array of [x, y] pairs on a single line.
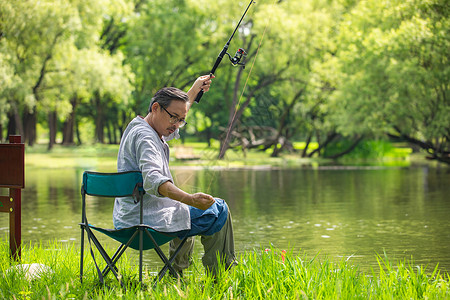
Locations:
{"points": [[284, 67], [33, 33], [163, 47], [101, 83], [395, 73], [45, 42], [7, 79]]}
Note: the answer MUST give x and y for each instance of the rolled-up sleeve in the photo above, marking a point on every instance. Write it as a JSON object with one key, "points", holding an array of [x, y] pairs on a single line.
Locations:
{"points": [[152, 164], [142, 149]]}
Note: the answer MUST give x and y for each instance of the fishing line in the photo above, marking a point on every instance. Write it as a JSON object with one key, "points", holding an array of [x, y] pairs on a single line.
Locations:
{"points": [[222, 150], [243, 90], [236, 60]]}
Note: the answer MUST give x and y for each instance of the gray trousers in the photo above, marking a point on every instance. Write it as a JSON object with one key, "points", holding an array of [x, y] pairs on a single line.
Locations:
{"points": [[220, 243]]}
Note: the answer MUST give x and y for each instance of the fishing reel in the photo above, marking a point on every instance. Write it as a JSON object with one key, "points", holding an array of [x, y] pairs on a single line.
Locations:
{"points": [[236, 59]]}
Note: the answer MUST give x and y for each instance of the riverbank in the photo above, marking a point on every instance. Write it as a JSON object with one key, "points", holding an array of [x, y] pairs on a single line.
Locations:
{"points": [[102, 157], [260, 274]]}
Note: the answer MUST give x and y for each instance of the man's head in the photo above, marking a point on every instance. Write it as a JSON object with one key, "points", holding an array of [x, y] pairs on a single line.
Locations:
{"points": [[166, 95], [167, 110]]}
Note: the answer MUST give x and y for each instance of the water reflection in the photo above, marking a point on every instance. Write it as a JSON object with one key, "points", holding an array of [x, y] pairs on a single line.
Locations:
{"points": [[341, 213]]}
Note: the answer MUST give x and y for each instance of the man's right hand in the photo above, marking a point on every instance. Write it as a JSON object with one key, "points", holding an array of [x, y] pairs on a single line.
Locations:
{"points": [[201, 201], [202, 83]]}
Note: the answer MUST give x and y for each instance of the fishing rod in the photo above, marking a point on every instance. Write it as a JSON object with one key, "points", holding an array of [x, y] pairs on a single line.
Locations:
{"points": [[235, 60]]}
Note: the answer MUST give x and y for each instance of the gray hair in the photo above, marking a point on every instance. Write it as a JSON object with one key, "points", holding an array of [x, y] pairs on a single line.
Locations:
{"points": [[165, 96]]}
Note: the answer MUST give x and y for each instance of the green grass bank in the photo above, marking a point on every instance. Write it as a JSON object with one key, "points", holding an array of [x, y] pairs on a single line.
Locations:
{"points": [[102, 157], [260, 274]]}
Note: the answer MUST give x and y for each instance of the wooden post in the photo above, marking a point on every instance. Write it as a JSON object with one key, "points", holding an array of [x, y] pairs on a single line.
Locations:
{"points": [[12, 176]]}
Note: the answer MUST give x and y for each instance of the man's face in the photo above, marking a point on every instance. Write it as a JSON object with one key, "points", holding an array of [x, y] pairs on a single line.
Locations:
{"points": [[166, 118]]}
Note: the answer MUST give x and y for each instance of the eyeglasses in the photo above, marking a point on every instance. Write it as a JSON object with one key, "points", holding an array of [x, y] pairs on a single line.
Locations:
{"points": [[174, 119]]}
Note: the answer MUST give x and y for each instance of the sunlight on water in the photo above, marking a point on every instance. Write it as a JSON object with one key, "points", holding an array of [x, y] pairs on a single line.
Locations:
{"points": [[350, 214]]}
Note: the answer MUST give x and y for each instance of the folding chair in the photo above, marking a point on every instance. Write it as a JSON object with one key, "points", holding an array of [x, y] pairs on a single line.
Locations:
{"points": [[140, 237]]}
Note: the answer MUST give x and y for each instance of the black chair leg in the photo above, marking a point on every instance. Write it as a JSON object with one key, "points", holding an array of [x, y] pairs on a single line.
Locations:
{"points": [[119, 253], [114, 259], [106, 258], [141, 250], [168, 263], [82, 254]]}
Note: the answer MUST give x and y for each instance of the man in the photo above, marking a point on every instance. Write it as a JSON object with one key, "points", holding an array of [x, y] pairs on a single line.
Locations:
{"points": [[167, 208]]}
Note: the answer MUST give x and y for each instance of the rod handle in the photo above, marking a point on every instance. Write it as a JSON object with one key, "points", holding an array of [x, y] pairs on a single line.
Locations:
{"points": [[199, 96]]}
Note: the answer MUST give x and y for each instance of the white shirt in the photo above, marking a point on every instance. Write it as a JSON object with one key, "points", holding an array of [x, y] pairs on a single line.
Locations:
{"points": [[141, 149]]}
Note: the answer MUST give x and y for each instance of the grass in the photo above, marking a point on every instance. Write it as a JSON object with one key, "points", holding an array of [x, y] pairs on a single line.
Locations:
{"points": [[260, 274], [102, 157], [99, 156]]}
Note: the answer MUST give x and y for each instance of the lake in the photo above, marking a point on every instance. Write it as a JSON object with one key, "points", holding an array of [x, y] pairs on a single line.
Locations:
{"points": [[351, 213]]}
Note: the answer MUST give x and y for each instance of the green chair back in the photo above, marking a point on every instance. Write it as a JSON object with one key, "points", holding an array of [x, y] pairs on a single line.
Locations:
{"points": [[111, 184]]}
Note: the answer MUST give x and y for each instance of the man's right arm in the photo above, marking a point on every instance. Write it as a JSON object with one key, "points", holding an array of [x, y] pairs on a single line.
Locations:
{"points": [[201, 83], [199, 200]]}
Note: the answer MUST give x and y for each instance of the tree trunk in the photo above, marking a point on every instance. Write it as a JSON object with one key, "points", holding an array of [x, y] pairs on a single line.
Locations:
{"points": [[348, 150], [52, 128], [283, 123], [29, 121], [225, 143], [276, 150], [329, 138], [436, 151], [11, 129], [77, 131], [308, 141], [109, 132], [15, 125], [234, 118], [115, 129], [99, 122], [68, 127], [235, 115]]}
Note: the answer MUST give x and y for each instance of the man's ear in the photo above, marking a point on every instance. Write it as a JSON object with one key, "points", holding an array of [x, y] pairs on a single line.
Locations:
{"points": [[155, 106]]}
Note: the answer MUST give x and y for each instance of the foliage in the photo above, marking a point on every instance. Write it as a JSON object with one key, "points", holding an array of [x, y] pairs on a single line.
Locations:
{"points": [[395, 73], [162, 43], [31, 35], [260, 274], [316, 70], [364, 150], [48, 46]]}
